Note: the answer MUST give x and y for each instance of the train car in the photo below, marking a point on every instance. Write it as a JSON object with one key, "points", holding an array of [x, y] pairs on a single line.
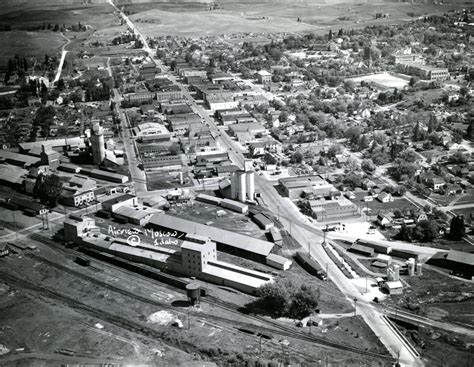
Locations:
{"points": [[82, 261], [310, 265]]}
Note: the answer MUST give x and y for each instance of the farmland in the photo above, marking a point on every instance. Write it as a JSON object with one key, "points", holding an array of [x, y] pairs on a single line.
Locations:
{"points": [[195, 19]]}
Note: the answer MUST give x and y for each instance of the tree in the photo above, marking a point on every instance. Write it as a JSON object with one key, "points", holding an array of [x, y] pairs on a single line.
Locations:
{"points": [[457, 229], [367, 165], [284, 298], [304, 302], [297, 157], [48, 188]]}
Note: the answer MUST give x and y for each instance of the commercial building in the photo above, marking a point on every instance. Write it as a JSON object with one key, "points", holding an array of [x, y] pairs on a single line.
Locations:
{"points": [[151, 132], [293, 187], [180, 124], [169, 93], [264, 77], [324, 210], [141, 97], [407, 57], [426, 72], [163, 162]]}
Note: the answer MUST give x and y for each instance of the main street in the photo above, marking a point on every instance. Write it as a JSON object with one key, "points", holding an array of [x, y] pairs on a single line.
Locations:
{"points": [[292, 221]]}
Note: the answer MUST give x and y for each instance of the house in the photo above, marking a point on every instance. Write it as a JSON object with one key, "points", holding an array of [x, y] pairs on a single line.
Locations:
{"points": [[384, 220], [368, 198], [421, 216], [385, 197], [368, 184], [437, 183]]}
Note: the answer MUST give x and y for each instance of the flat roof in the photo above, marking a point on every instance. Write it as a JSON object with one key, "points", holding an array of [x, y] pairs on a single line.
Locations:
{"points": [[135, 213], [217, 235]]}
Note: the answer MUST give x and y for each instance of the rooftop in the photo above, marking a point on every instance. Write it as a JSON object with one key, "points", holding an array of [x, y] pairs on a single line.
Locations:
{"points": [[218, 235]]}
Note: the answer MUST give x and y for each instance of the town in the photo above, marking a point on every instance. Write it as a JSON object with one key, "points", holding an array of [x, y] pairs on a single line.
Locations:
{"points": [[254, 198]]}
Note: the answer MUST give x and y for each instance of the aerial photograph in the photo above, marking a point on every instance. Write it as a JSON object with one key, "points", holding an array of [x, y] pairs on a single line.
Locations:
{"points": [[257, 183]]}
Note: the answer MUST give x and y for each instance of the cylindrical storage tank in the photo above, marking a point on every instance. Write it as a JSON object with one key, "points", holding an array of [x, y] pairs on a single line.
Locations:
{"points": [[396, 272], [242, 193], [251, 185], [193, 291], [419, 269], [411, 266]]}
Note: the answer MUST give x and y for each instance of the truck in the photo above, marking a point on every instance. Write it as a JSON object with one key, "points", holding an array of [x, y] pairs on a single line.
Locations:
{"points": [[310, 265]]}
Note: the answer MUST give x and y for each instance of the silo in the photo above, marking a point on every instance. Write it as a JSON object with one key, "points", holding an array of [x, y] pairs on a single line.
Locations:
{"points": [[234, 186], [97, 143], [411, 266], [242, 193], [250, 184], [419, 269], [396, 272]]}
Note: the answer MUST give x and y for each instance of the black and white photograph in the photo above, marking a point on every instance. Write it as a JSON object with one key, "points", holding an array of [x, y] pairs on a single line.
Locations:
{"points": [[255, 183]]}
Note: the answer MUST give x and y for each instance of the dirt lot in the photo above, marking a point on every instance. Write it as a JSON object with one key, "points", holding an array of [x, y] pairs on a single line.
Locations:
{"points": [[440, 296]]}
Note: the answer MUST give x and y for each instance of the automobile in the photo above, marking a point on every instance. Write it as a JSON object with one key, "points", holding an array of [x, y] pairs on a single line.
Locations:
{"points": [[376, 300]]}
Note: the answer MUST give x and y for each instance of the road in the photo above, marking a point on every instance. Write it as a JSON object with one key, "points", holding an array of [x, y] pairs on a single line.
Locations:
{"points": [[138, 176], [292, 220], [63, 57]]}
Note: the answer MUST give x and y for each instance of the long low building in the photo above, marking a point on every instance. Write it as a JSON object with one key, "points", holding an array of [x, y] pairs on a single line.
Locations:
{"points": [[192, 256], [226, 241]]}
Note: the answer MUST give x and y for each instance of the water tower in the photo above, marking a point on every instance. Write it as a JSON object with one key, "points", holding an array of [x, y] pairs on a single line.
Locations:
{"points": [[193, 291]]}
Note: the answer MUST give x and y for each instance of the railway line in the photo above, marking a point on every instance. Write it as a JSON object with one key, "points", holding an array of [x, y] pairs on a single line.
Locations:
{"points": [[270, 328]]}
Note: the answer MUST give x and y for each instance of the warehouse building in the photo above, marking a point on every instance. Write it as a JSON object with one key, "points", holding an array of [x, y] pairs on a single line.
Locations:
{"points": [[226, 241], [196, 256]]}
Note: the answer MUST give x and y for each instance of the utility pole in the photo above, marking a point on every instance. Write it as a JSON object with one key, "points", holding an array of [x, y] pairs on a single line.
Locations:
{"points": [[189, 321], [309, 248], [260, 343], [355, 306]]}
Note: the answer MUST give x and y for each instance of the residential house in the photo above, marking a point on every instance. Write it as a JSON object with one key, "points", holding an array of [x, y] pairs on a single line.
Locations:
{"points": [[385, 197]]}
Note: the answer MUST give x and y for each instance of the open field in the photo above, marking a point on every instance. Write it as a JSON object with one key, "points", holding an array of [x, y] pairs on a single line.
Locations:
{"points": [[384, 80], [29, 44], [262, 16]]}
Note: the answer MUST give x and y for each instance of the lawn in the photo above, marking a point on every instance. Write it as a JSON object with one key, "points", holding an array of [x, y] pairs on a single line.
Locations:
{"points": [[376, 207]]}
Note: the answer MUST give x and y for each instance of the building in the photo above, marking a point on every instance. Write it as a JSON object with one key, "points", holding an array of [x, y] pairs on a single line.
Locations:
{"points": [[361, 250], [264, 77], [407, 57], [325, 210], [385, 197], [394, 287], [113, 204], [279, 262], [460, 263], [72, 196], [18, 159], [293, 187], [226, 241], [194, 255], [141, 97], [97, 144], [426, 72]]}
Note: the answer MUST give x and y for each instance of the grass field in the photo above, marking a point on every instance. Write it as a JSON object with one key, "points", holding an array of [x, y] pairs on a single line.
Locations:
{"points": [[383, 79], [29, 44]]}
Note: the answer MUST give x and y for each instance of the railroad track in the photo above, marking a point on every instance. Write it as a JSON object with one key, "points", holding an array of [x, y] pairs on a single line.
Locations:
{"points": [[272, 327]]}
